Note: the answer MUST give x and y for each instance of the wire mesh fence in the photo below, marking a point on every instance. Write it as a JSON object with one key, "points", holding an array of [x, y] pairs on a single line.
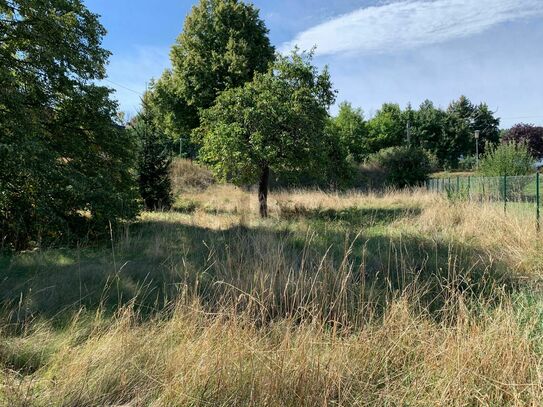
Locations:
{"points": [[518, 193]]}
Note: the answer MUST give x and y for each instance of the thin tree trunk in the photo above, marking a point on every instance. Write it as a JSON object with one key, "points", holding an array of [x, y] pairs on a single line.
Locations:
{"points": [[263, 191]]}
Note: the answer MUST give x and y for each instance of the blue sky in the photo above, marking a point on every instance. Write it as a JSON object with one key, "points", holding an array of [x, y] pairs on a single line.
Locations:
{"points": [[378, 51]]}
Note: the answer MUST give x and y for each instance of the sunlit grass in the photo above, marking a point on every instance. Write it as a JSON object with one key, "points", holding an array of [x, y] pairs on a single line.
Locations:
{"points": [[403, 298]]}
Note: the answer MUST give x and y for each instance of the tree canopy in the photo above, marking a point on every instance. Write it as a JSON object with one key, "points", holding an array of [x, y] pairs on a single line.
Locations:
{"points": [[64, 161], [275, 122], [222, 45]]}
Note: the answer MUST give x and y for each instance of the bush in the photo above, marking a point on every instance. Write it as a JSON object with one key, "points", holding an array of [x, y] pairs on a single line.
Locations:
{"points": [[401, 166], [509, 158]]}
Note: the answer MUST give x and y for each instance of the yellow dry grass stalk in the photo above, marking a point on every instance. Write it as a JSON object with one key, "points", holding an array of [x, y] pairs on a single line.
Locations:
{"points": [[194, 358]]}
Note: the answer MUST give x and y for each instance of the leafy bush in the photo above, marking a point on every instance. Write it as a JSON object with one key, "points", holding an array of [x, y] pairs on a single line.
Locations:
{"points": [[401, 166], [509, 158]]}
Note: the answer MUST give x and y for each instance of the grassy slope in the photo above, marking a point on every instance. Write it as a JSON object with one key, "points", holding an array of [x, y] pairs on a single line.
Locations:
{"points": [[400, 299]]}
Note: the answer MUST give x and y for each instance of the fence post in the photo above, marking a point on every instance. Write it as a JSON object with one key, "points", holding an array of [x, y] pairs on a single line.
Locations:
{"points": [[449, 187], [505, 193], [469, 187], [457, 185], [538, 213]]}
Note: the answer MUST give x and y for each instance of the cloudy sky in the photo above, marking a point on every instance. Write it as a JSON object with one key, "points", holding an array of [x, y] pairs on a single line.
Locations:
{"points": [[378, 51]]}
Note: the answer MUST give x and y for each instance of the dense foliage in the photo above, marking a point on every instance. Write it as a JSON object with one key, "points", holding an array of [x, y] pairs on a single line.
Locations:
{"points": [[529, 134], [401, 166], [448, 134], [222, 45], [153, 164], [509, 158], [274, 123], [64, 162]]}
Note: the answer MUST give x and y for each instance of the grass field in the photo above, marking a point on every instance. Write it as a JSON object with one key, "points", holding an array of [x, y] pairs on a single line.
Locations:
{"points": [[399, 299]]}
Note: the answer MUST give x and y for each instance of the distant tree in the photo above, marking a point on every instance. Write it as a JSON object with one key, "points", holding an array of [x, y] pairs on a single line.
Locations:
{"points": [[386, 129], [153, 164], [275, 122], [65, 162], [428, 129], [350, 129], [171, 114], [529, 134], [463, 119], [489, 126]]}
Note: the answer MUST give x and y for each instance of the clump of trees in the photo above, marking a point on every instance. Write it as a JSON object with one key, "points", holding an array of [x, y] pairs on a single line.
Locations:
{"points": [[222, 45], [251, 115], [65, 161]]}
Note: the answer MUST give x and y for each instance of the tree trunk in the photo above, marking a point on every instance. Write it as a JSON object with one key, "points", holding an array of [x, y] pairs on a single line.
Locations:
{"points": [[263, 191]]}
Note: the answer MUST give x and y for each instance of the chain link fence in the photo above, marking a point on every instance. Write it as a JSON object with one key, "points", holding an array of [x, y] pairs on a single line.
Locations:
{"points": [[518, 193]]}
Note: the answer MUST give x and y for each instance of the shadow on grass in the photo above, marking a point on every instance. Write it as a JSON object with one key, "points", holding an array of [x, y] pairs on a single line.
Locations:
{"points": [[354, 216], [325, 273]]}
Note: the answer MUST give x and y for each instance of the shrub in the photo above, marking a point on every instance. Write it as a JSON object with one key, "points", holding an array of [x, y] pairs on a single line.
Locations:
{"points": [[401, 166], [509, 158]]}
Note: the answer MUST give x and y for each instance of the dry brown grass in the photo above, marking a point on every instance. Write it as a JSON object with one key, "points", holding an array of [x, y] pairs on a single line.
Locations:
{"points": [[263, 324]]}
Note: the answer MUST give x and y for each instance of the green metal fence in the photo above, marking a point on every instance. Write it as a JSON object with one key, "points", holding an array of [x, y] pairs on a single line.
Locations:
{"points": [[518, 193]]}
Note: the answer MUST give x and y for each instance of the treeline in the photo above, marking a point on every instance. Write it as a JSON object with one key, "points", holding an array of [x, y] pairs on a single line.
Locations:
{"points": [[447, 134], [257, 117], [71, 170]]}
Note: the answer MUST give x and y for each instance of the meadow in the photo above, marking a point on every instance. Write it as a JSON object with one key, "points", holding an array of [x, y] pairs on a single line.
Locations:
{"points": [[400, 298]]}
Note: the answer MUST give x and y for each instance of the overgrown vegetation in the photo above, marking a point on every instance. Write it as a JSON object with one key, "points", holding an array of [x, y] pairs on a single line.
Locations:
{"points": [[400, 167], [65, 163], [507, 159], [334, 299]]}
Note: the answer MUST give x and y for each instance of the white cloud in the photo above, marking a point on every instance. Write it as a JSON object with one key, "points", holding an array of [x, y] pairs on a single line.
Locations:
{"points": [[407, 24]]}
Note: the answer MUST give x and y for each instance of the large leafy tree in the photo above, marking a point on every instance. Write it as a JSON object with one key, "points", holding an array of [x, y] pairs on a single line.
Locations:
{"points": [[275, 122], [64, 161], [527, 134], [171, 114], [350, 129], [222, 45]]}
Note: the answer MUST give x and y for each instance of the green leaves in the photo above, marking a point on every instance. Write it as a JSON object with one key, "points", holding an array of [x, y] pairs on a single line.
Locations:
{"points": [[275, 121], [510, 158], [65, 165], [222, 44]]}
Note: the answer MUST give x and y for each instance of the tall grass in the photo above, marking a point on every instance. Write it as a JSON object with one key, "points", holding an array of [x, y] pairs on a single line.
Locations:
{"points": [[338, 299]]}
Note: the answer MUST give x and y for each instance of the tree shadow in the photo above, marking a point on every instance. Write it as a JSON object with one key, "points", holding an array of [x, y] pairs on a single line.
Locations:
{"points": [[274, 272], [354, 216]]}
